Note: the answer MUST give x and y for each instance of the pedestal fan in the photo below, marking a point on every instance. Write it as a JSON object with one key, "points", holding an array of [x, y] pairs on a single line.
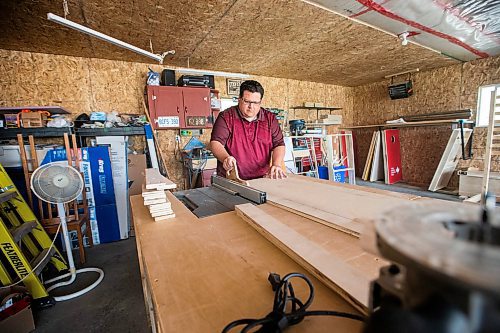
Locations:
{"points": [[58, 184]]}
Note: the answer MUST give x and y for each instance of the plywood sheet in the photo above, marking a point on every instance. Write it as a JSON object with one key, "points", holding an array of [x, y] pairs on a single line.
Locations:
{"points": [[339, 275], [392, 156], [337, 206], [312, 45], [449, 159], [200, 270], [377, 171]]}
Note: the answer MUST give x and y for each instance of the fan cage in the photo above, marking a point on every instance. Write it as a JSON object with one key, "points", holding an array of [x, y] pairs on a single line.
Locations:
{"points": [[56, 183]]}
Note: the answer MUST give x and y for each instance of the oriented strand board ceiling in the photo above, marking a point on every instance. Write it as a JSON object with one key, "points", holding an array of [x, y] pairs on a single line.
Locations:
{"points": [[287, 39]]}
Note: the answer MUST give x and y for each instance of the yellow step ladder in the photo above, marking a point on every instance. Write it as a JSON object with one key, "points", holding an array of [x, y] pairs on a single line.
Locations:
{"points": [[25, 245]]}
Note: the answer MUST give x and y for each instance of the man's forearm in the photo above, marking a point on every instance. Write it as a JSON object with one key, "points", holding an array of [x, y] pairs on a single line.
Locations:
{"points": [[218, 150], [278, 155]]}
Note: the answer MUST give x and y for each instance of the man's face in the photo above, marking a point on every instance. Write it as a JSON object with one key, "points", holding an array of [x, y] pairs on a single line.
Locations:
{"points": [[249, 104]]}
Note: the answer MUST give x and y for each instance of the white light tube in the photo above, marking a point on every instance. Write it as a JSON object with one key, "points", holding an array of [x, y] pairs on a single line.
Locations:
{"points": [[401, 73], [117, 42]]}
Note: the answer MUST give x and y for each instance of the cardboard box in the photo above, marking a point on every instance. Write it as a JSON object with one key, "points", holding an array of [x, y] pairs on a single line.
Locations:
{"points": [[98, 179], [10, 155], [211, 163], [308, 104], [471, 183], [136, 167], [33, 119], [118, 148], [21, 321]]}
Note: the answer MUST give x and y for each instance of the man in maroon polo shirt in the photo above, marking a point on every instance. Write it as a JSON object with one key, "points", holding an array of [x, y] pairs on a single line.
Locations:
{"points": [[249, 135]]}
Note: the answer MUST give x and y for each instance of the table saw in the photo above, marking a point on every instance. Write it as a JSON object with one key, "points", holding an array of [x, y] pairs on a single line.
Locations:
{"points": [[220, 197]]}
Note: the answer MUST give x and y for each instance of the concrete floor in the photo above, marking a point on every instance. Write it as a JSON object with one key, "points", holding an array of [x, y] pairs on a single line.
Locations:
{"points": [[116, 305]]}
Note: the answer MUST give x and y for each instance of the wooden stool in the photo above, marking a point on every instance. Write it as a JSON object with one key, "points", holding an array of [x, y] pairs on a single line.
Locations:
{"points": [[74, 222]]}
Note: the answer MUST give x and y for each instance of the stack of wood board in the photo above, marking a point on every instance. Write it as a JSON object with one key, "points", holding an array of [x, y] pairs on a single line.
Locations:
{"points": [[154, 195], [158, 204]]}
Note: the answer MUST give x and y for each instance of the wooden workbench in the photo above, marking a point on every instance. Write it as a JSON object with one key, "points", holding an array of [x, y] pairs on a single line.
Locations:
{"points": [[201, 274]]}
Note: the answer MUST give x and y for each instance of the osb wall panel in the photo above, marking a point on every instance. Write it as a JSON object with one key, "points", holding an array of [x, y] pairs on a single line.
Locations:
{"points": [[294, 39], [84, 85], [440, 90]]}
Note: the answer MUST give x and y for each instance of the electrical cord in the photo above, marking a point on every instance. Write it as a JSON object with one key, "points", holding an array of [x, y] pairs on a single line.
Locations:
{"points": [[284, 296]]}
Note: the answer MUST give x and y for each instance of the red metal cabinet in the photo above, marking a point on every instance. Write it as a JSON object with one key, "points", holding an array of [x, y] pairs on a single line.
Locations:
{"points": [[179, 107]]}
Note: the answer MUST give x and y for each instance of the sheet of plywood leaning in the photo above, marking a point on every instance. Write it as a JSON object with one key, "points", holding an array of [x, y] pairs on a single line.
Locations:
{"points": [[377, 171], [449, 160], [333, 257], [392, 156], [339, 206], [202, 274]]}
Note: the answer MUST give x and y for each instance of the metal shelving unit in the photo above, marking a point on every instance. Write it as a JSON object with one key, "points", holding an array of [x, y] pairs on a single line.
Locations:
{"points": [[43, 132], [112, 131]]}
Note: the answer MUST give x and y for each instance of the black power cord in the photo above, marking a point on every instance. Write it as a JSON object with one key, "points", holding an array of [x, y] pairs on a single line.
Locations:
{"points": [[278, 319]]}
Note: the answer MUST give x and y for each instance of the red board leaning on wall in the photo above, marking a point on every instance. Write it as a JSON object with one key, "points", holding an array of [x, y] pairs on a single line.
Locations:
{"points": [[392, 157]]}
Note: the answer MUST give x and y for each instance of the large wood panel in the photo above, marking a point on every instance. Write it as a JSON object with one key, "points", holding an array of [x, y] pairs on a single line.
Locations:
{"points": [[325, 263], [339, 206], [205, 273]]}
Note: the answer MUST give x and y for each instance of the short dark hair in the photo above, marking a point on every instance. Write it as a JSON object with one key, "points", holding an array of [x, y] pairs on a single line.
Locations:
{"points": [[252, 86]]}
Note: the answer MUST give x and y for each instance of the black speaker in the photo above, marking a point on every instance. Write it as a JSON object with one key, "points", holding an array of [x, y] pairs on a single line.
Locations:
{"points": [[211, 81], [168, 77], [193, 81]]}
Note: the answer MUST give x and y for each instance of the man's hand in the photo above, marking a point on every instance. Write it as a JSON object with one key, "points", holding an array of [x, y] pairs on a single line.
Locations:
{"points": [[275, 172], [229, 163]]}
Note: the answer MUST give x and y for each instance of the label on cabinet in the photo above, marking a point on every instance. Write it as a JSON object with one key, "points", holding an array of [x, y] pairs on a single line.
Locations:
{"points": [[196, 120], [168, 121]]}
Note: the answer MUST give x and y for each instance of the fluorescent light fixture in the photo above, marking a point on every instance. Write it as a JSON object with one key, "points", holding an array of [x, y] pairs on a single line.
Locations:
{"points": [[215, 73], [117, 42]]}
